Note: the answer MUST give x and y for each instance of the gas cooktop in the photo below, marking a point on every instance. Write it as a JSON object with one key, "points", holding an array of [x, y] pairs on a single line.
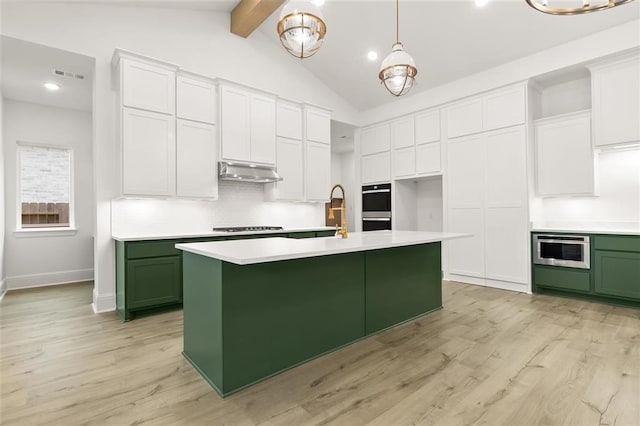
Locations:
{"points": [[248, 228]]}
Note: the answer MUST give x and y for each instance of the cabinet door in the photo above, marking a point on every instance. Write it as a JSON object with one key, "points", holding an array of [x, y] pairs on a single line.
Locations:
{"points": [[148, 87], [565, 163], [404, 162], [506, 244], [428, 127], [504, 108], [317, 126], [196, 100], [376, 168], [466, 171], [466, 255], [375, 139], [152, 282], [464, 118], [289, 121], [263, 130], [148, 153], [616, 102], [234, 124], [403, 133], [318, 171], [197, 160], [617, 273], [428, 158], [289, 164]]}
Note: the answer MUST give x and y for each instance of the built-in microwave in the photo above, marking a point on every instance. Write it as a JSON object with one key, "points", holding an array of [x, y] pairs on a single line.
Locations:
{"points": [[570, 251], [376, 207]]}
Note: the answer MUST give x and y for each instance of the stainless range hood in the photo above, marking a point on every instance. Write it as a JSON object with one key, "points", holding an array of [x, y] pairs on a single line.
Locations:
{"points": [[248, 172]]}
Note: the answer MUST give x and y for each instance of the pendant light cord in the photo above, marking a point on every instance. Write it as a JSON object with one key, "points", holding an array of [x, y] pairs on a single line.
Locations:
{"points": [[397, 22]]}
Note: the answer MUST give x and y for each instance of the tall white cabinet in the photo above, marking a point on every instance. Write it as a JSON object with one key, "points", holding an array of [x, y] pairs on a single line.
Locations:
{"points": [[487, 190]]}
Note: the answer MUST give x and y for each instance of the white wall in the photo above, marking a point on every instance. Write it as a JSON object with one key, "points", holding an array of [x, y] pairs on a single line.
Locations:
{"points": [[197, 40], [619, 200], [3, 287], [32, 261], [336, 168], [239, 203]]}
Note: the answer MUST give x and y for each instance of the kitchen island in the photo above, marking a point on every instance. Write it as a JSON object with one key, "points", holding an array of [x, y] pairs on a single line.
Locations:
{"points": [[254, 308]]}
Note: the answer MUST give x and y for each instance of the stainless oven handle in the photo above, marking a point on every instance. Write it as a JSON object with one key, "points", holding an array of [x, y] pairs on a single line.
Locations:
{"points": [[573, 242], [376, 191], [378, 219]]}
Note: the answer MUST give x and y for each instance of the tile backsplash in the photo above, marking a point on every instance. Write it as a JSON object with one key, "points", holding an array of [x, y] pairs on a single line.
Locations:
{"points": [[239, 203]]}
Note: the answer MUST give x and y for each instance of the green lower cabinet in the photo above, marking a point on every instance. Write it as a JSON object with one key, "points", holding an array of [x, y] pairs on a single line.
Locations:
{"points": [[571, 279], [325, 234], [298, 235], [153, 282], [617, 273]]}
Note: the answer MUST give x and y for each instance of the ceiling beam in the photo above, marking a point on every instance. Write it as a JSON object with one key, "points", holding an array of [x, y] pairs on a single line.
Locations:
{"points": [[249, 14]]}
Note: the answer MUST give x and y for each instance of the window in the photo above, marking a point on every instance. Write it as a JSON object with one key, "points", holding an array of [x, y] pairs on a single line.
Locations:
{"points": [[45, 189]]}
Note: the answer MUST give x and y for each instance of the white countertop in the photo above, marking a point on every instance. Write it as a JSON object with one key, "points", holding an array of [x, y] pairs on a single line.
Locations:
{"points": [[246, 252], [173, 235], [613, 228]]}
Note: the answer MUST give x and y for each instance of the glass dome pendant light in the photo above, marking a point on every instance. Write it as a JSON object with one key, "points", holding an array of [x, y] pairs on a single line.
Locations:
{"points": [[398, 70], [301, 28], [587, 6]]}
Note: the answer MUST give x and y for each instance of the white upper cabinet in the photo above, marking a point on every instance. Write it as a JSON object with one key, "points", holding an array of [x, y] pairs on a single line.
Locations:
{"points": [[428, 159], [565, 158], [376, 168], [289, 162], [403, 133], [317, 171], [196, 99], [248, 126], [464, 118], [317, 124], [504, 108], [289, 120], [404, 162], [148, 86], [148, 153], [615, 89], [234, 124], [375, 139], [427, 127], [196, 160], [263, 129]]}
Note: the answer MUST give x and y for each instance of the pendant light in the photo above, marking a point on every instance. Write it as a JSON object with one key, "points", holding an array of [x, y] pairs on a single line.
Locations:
{"points": [[301, 28], [398, 70], [549, 6]]}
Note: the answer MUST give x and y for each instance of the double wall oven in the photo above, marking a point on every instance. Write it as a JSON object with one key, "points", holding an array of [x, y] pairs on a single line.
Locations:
{"points": [[376, 207]]}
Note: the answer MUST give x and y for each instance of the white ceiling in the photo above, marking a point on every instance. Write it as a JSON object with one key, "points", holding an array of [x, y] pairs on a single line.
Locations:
{"points": [[448, 39], [215, 5], [27, 66]]}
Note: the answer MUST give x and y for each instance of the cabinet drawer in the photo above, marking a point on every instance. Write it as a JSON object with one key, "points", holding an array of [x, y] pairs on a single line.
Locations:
{"points": [[144, 249], [153, 282], [302, 235], [562, 278], [617, 273], [618, 242]]}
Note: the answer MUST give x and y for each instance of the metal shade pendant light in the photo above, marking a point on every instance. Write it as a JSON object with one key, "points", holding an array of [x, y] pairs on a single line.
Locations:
{"points": [[398, 70], [553, 7], [301, 28]]}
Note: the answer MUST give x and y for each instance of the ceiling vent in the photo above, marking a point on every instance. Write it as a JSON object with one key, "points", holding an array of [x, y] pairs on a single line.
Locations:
{"points": [[68, 74]]}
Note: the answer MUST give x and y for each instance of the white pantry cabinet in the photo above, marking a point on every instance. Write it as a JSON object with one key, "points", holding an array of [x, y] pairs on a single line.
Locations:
{"points": [[376, 168], [564, 155], [375, 139], [196, 98], [248, 126], [317, 179], [196, 159], [615, 88], [148, 86], [464, 118], [148, 153]]}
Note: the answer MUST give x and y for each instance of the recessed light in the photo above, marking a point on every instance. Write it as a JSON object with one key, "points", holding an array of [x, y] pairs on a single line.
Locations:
{"points": [[52, 86], [318, 3], [372, 55], [481, 3]]}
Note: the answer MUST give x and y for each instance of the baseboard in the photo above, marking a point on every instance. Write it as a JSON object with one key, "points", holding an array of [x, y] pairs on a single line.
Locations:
{"points": [[3, 288], [103, 302], [485, 282], [46, 279]]}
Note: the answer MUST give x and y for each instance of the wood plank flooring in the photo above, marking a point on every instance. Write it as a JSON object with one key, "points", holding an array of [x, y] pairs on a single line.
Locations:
{"points": [[490, 357]]}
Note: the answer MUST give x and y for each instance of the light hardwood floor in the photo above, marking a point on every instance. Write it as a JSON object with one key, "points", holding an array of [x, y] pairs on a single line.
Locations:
{"points": [[490, 357]]}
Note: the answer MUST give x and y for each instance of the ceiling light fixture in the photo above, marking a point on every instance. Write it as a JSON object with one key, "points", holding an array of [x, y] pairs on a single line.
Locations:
{"points": [[301, 28], [372, 55], [481, 3], [553, 7], [52, 86], [398, 70]]}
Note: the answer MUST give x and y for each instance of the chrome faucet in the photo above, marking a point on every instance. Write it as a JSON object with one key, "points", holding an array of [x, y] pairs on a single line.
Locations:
{"points": [[343, 211]]}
